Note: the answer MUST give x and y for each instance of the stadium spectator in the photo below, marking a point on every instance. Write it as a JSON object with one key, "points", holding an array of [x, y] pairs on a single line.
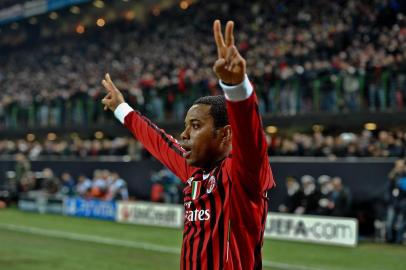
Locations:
{"points": [[50, 184], [340, 198], [293, 197], [68, 184], [325, 203], [166, 187], [157, 192], [117, 188], [99, 184], [83, 186], [311, 196], [24, 178], [396, 211]]}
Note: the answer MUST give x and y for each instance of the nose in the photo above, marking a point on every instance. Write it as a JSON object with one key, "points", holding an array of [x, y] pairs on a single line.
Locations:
{"points": [[185, 134]]}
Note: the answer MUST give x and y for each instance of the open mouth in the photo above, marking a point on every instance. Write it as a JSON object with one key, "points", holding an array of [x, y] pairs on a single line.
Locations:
{"points": [[187, 154], [188, 151]]}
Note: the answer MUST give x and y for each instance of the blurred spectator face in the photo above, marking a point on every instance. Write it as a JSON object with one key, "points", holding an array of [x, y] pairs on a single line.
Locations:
{"points": [[66, 177], [337, 184], [47, 173], [114, 176], [97, 174], [81, 178], [400, 165], [20, 157], [105, 174], [307, 181], [290, 182], [383, 135]]}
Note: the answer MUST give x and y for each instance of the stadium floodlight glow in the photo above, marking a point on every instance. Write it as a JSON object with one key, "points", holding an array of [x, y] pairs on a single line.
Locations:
{"points": [[370, 126], [98, 4], [30, 137], [53, 15], [99, 135], [75, 10], [33, 20], [100, 22], [129, 15], [184, 5], [80, 29], [271, 129], [317, 128], [51, 136]]}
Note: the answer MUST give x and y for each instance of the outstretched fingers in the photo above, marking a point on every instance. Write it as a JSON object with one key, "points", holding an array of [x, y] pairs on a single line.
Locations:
{"points": [[218, 36], [230, 33], [108, 84]]}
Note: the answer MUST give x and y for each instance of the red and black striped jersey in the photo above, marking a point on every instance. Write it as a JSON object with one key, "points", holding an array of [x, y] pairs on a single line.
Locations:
{"points": [[225, 208]]}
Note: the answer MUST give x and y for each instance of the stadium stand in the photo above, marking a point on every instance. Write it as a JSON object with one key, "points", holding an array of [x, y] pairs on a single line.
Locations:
{"points": [[332, 57], [347, 144]]}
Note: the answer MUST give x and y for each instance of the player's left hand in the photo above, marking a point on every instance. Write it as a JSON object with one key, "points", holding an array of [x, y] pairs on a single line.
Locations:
{"points": [[230, 66]]}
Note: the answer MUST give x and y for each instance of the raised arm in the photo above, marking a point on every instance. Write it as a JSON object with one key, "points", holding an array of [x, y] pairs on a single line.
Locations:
{"points": [[250, 165], [161, 145]]}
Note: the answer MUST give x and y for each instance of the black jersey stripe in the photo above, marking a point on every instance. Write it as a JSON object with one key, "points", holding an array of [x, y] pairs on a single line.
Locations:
{"points": [[210, 262], [201, 238], [221, 219], [191, 240], [184, 248], [258, 247], [168, 141]]}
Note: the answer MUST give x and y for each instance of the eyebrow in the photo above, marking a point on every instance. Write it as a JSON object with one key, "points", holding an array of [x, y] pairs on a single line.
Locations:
{"points": [[193, 120]]}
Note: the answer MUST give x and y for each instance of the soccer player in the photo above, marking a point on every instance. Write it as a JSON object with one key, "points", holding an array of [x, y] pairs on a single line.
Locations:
{"points": [[222, 160]]}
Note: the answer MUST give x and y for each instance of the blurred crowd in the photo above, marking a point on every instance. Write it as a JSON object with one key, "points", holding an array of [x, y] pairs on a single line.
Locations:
{"points": [[74, 148], [103, 185], [347, 144], [166, 187], [326, 196], [336, 56], [319, 144]]}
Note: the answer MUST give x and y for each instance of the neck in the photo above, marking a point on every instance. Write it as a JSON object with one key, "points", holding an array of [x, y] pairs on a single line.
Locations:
{"points": [[210, 166]]}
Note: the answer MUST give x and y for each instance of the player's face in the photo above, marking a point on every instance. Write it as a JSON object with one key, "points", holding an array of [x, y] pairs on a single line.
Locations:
{"points": [[201, 140]]}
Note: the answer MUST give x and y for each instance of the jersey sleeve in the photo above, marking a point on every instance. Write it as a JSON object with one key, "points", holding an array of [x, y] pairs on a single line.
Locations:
{"points": [[249, 163], [161, 145]]}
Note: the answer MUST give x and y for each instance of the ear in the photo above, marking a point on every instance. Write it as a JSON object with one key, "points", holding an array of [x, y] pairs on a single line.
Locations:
{"points": [[226, 134]]}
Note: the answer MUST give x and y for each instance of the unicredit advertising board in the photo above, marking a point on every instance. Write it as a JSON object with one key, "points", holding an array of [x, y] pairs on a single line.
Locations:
{"points": [[156, 214], [317, 229]]}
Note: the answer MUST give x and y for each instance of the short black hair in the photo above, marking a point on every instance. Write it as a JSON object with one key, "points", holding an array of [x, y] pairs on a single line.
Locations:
{"points": [[218, 109]]}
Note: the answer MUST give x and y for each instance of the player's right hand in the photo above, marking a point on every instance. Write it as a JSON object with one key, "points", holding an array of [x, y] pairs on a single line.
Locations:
{"points": [[230, 66], [113, 97]]}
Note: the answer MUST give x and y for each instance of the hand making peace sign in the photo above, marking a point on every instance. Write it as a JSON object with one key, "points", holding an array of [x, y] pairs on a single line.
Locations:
{"points": [[230, 67]]}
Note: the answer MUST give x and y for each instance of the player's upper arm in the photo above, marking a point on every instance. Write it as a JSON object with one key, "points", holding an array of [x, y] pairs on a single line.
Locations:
{"points": [[250, 165]]}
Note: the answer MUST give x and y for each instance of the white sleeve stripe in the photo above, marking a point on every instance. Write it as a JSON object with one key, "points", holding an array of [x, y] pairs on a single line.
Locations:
{"points": [[238, 92], [121, 111]]}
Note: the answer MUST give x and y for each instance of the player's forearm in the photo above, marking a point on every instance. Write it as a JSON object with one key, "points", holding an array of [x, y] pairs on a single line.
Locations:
{"points": [[162, 146]]}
